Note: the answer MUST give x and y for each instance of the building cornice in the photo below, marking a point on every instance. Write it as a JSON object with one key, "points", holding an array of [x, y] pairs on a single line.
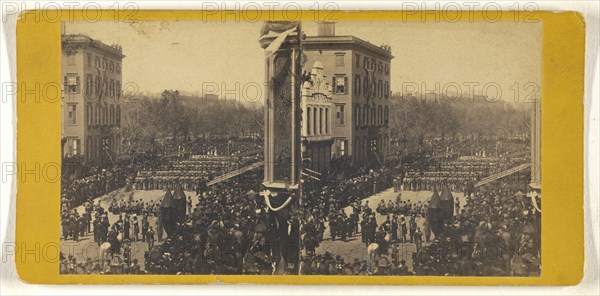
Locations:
{"points": [[75, 42], [343, 42]]}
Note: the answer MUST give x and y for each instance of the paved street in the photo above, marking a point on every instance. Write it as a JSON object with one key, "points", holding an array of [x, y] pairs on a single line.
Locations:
{"points": [[353, 247]]}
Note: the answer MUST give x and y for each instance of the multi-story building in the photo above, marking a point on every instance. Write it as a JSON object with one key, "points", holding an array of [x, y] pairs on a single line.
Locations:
{"points": [[91, 98], [316, 132], [360, 78]]}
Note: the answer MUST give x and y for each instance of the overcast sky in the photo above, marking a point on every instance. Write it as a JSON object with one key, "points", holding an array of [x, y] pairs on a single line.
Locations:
{"points": [[186, 55]]}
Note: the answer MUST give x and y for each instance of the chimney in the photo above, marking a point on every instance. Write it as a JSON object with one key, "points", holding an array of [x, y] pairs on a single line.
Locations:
{"points": [[326, 29]]}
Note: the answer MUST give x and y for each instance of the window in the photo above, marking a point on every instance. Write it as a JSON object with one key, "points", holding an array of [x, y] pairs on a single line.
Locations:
{"points": [[118, 68], [118, 115], [326, 121], [339, 114], [365, 114], [96, 84], [314, 127], [71, 83], [71, 59], [366, 86], [386, 89], [89, 82], [379, 89], [344, 147], [357, 85], [308, 121], [89, 60], [118, 89], [386, 115], [387, 69], [104, 115], [111, 88], [111, 67], [321, 121], [366, 63], [88, 115], [72, 114], [357, 61], [97, 62], [339, 84], [75, 147], [357, 115], [373, 115], [88, 142], [339, 59]]}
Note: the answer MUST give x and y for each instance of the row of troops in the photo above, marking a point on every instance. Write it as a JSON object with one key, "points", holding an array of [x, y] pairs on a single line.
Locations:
{"points": [[197, 184]]}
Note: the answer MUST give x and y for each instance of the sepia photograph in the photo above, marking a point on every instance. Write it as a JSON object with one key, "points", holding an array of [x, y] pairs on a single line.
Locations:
{"points": [[381, 148]]}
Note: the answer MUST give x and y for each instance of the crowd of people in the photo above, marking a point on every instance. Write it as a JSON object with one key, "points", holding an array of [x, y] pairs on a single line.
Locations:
{"points": [[460, 248], [226, 228], [497, 233], [78, 191], [461, 163], [226, 233], [189, 172]]}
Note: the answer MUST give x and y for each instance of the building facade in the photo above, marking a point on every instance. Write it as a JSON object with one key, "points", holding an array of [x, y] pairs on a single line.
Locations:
{"points": [[91, 98], [360, 77], [317, 110]]}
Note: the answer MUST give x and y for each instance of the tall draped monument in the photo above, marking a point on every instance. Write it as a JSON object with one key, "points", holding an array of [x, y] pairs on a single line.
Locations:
{"points": [[282, 146]]}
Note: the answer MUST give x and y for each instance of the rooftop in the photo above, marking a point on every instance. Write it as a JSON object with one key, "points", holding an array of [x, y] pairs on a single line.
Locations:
{"points": [[335, 41], [75, 41]]}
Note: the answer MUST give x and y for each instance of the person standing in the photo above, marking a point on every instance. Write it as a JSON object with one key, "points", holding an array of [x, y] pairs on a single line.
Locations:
{"points": [[394, 228], [427, 231], [74, 223], [403, 228], [126, 227], [189, 205], [159, 227], [96, 225], [150, 238], [413, 228], [332, 225], [418, 238], [341, 224], [363, 232], [145, 226], [136, 228]]}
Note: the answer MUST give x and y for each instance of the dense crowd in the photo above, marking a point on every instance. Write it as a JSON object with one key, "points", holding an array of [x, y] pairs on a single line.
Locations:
{"points": [[189, 172], [170, 161], [226, 233], [78, 191], [461, 163], [497, 233]]}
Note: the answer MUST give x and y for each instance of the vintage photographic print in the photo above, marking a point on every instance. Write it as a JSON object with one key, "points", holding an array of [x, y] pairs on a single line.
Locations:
{"points": [[301, 148]]}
